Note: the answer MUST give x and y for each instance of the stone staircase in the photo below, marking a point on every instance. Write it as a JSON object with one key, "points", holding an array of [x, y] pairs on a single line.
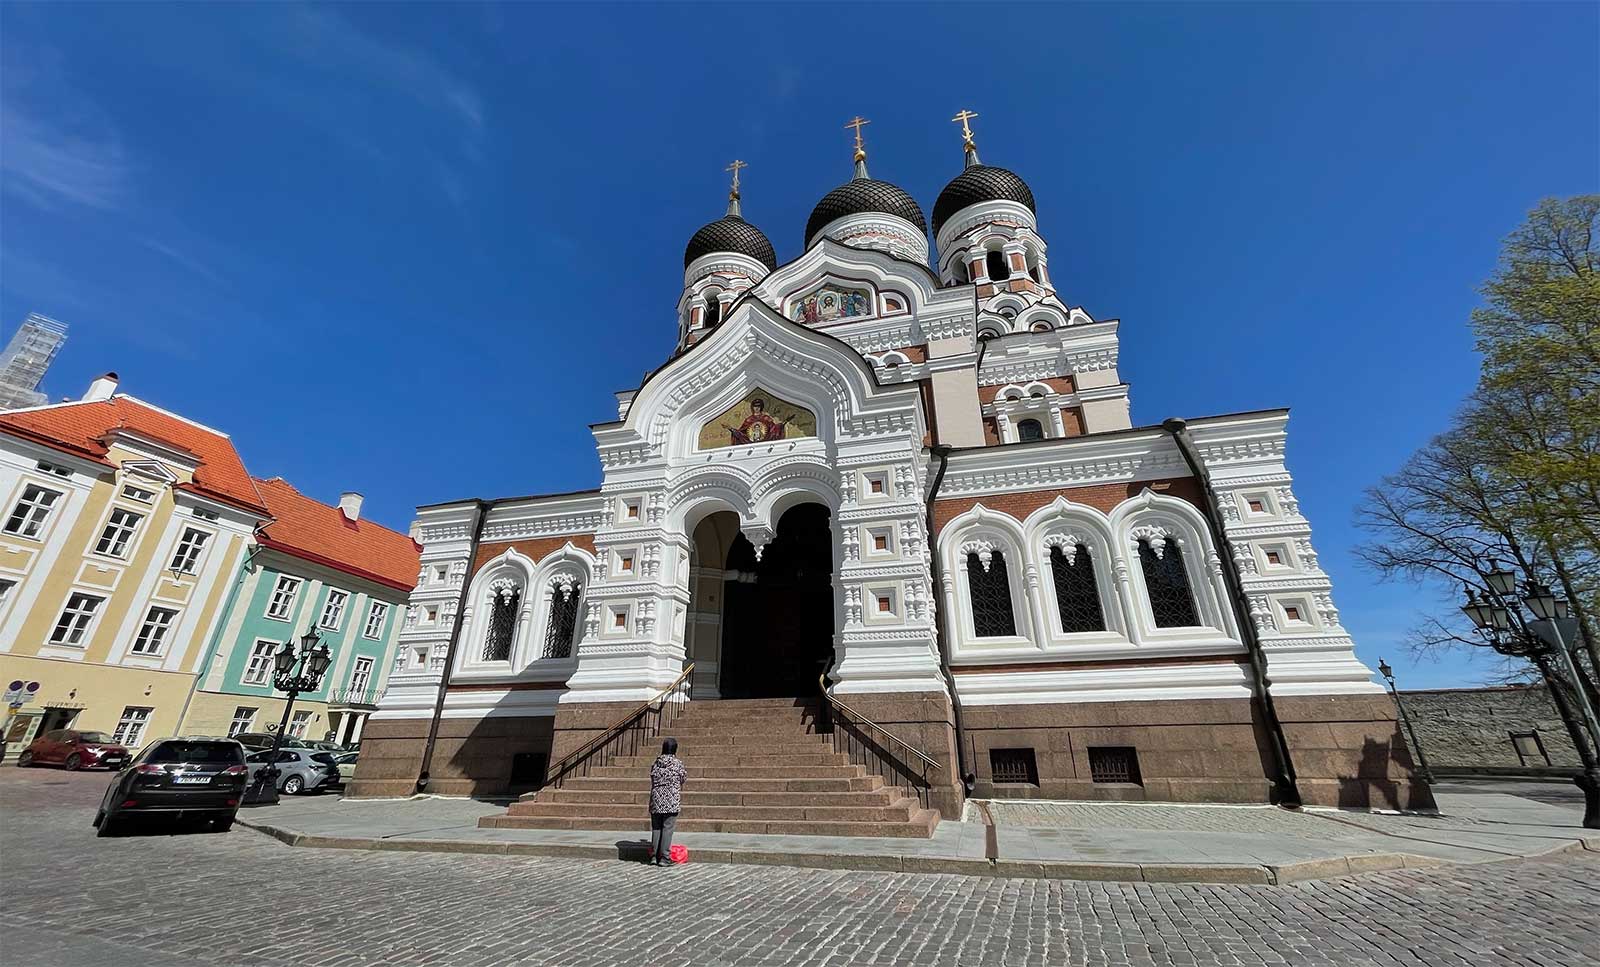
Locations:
{"points": [[755, 766]]}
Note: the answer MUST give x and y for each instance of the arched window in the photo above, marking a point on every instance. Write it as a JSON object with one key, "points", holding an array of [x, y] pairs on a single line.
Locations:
{"points": [[984, 335], [1167, 581], [996, 262], [713, 310], [563, 621], [1042, 327], [505, 598], [1030, 430], [1077, 594], [991, 596], [959, 270]]}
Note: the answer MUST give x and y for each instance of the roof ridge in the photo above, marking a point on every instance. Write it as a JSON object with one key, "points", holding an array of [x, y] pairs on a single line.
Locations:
{"points": [[166, 412]]}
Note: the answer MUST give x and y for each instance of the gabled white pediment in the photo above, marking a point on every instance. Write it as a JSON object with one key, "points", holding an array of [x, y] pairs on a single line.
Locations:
{"points": [[149, 470], [829, 261]]}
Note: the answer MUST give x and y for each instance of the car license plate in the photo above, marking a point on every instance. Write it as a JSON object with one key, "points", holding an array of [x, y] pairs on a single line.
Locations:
{"points": [[113, 762], [191, 779]]}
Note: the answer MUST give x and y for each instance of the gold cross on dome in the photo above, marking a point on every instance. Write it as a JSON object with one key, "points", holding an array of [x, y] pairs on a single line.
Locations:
{"points": [[966, 129], [857, 122], [737, 164]]}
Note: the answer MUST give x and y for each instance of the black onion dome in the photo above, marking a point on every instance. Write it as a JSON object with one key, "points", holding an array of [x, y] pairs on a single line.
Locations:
{"points": [[731, 234], [979, 183], [864, 195]]}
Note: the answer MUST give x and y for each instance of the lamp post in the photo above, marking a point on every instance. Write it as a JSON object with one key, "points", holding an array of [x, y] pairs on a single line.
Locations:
{"points": [[1499, 619], [1422, 760], [292, 672]]}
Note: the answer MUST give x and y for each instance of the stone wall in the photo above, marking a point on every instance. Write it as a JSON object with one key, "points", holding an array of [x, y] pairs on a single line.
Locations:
{"points": [[1471, 727]]}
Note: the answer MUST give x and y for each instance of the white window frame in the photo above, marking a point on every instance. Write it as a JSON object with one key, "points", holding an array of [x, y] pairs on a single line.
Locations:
{"points": [[254, 674], [130, 727], [299, 723], [118, 534], [285, 596], [361, 675], [186, 557], [242, 723], [7, 585], [152, 639], [137, 493], [77, 619], [377, 614], [336, 605], [31, 512]]}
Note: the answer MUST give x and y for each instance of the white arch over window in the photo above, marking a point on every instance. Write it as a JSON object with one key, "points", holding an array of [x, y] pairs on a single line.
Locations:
{"points": [[510, 574], [1158, 518], [1071, 526], [985, 533], [565, 574]]}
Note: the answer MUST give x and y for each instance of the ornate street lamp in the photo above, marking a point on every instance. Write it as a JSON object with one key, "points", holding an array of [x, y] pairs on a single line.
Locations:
{"points": [[1500, 621], [294, 671], [1422, 760]]}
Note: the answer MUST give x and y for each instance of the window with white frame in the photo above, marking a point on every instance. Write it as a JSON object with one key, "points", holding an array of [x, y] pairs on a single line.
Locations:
{"points": [[361, 677], [281, 606], [562, 625], [989, 586], [299, 724], [505, 601], [153, 634], [1077, 590], [76, 617], [6, 584], [1166, 581], [187, 556], [142, 495], [130, 728], [333, 609], [377, 613], [32, 510], [259, 666], [244, 717], [118, 533]]}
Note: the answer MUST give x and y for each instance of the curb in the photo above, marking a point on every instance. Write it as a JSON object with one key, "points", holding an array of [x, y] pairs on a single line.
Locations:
{"points": [[1223, 873]]}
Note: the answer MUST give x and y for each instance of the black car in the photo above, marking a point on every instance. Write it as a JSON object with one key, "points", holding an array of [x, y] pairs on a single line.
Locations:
{"points": [[261, 741], [182, 778]]}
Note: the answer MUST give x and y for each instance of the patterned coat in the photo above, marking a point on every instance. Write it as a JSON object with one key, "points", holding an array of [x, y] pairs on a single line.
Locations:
{"points": [[666, 782]]}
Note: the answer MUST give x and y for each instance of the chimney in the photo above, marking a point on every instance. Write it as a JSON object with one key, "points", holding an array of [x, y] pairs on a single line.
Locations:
{"points": [[101, 388], [350, 505]]}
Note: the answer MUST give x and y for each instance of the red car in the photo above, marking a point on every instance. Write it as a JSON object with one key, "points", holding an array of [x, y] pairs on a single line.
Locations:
{"points": [[75, 750]]}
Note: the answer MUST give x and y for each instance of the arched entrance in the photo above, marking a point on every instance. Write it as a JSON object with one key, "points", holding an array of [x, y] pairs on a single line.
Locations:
{"points": [[777, 621]]}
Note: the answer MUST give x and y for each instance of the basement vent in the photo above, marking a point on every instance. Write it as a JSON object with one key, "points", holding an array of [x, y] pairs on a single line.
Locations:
{"points": [[1115, 763], [1013, 765], [527, 770]]}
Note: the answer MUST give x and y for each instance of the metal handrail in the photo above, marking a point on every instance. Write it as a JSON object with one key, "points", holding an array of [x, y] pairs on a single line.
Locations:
{"points": [[822, 683], [570, 761]]}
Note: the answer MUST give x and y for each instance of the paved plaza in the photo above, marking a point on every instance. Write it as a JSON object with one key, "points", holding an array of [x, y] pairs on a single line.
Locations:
{"points": [[242, 898]]}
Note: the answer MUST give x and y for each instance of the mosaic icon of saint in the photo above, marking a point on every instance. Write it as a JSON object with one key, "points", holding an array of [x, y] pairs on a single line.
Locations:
{"points": [[759, 426]]}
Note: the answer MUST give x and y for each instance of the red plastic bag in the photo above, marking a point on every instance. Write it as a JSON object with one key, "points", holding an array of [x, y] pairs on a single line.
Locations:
{"points": [[679, 853]]}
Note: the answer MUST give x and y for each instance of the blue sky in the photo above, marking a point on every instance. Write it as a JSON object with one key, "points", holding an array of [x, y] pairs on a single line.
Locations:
{"points": [[412, 250]]}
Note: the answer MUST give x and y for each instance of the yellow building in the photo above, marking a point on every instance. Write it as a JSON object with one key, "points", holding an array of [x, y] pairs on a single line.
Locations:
{"points": [[122, 527]]}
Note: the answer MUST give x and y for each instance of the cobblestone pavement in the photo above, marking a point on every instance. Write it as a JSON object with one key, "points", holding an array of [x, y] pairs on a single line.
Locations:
{"points": [[242, 899]]}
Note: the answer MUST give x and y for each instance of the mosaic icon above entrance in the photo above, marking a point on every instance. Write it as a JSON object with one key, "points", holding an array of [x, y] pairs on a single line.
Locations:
{"points": [[831, 302], [758, 418]]}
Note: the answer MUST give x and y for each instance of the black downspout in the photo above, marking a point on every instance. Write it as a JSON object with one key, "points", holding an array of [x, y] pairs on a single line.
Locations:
{"points": [[1287, 789], [968, 778], [423, 776]]}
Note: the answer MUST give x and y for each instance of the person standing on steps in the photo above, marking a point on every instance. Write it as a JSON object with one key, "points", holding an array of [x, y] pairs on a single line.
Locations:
{"points": [[666, 787]]}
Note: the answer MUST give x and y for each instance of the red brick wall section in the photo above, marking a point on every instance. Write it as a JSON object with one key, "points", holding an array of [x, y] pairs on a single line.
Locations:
{"points": [[1103, 497], [535, 549], [1072, 420]]}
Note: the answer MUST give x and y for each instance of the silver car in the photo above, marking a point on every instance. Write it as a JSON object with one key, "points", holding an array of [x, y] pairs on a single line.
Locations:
{"points": [[299, 770]]}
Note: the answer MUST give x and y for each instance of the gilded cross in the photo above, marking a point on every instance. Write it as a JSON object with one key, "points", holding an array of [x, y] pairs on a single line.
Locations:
{"points": [[857, 122], [966, 129], [737, 164]]}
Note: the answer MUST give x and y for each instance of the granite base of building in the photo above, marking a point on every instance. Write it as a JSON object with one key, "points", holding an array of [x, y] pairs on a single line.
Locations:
{"points": [[494, 756]]}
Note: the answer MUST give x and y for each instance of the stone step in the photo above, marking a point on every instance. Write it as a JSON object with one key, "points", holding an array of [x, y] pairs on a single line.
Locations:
{"points": [[703, 758], [920, 825], [635, 782], [885, 796], [861, 814], [740, 772], [744, 745], [749, 704]]}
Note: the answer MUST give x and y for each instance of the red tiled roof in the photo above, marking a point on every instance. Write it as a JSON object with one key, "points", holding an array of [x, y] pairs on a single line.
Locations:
{"points": [[80, 429], [312, 530]]}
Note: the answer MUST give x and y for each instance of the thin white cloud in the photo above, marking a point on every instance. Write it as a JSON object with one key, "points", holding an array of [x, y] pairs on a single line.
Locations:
{"points": [[52, 166]]}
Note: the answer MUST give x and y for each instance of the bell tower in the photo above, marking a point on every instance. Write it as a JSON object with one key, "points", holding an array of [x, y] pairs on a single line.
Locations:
{"points": [[722, 260], [986, 230]]}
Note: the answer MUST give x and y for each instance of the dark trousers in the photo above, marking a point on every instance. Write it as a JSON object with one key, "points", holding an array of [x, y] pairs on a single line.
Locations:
{"points": [[661, 827]]}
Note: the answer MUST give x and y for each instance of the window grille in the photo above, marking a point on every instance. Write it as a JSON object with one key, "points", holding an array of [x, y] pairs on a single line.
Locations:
{"points": [[991, 597], [1119, 763], [1167, 581], [1013, 765], [1028, 430], [563, 620], [1077, 594], [507, 597]]}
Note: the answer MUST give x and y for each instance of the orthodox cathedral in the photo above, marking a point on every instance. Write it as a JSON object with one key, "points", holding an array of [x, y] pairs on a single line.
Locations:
{"points": [[880, 536]]}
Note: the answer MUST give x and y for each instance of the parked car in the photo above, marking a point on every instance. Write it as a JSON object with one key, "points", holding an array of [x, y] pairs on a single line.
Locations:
{"points": [[346, 761], [322, 745], [262, 741], [202, 779], [299, 770], [74, 750]]}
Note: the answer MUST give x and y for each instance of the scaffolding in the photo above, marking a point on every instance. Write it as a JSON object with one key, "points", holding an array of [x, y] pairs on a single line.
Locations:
{"points": [[26, 357]]}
